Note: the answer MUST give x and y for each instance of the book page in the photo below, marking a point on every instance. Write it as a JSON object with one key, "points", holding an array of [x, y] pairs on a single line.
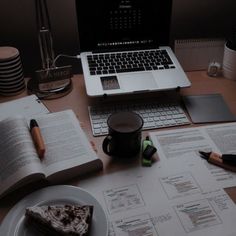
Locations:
{"points": [[18, 157], [66, 143]]}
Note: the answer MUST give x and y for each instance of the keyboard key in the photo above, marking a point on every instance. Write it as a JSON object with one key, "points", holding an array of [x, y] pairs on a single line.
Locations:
{"points": [[129, 70], [130, 61]]}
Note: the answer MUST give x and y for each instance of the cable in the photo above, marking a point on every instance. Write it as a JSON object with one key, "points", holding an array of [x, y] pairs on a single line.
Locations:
{"points": [[64, 55]]}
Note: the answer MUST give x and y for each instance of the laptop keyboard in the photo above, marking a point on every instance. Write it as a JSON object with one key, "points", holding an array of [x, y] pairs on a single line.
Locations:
{"points": [[155, 115], [110, 63]]}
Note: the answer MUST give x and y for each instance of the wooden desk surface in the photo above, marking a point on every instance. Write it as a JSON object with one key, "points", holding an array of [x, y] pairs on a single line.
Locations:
{"points": [[78, 101]]}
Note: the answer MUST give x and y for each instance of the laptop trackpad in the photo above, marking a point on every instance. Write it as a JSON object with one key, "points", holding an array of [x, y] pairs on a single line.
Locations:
{"points": [[137, 82]]}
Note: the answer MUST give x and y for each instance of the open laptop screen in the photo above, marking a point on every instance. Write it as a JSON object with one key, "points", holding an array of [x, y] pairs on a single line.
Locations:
{"points": [[129, 24]]}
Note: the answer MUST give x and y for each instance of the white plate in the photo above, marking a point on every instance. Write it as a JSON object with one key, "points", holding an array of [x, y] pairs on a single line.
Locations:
{"points": [[14, 224]]}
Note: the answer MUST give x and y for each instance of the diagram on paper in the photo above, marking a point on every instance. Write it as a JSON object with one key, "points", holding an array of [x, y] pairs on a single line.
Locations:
{"points": [[197, 215], [180, 185], [140, 225], [123, 198]]}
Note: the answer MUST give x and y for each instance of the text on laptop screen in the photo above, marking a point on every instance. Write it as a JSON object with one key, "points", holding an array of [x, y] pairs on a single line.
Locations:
{"points": [[112, 24]]}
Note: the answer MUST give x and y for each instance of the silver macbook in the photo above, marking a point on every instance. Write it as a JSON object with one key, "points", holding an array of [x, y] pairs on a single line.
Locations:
{"points": [[123, 47]]}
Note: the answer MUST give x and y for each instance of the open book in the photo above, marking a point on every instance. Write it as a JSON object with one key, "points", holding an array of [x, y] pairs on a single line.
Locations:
{"points": [[68, 151]]}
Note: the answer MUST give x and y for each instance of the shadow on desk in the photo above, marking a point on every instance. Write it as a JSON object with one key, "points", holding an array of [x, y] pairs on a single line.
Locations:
{"points": [[16, 195]]}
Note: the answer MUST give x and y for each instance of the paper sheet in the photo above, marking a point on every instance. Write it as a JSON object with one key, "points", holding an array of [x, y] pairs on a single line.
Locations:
{"points": [[181, 194], [144, 202], [180, 148], [28, 106]]}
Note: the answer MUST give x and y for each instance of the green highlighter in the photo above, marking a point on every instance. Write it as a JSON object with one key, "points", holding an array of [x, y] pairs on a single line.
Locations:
{"points": [[147, 152]]}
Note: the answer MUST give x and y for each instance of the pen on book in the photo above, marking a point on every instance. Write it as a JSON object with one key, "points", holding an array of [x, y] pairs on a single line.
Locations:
{"points": [[226, 161], [37, 138]]}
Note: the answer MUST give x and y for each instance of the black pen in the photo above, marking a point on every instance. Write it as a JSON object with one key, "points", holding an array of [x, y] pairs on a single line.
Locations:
{"points": [[226, 161]]}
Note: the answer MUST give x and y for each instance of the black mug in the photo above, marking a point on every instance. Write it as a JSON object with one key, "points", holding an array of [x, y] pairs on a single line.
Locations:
{"points": [[124, 134]]}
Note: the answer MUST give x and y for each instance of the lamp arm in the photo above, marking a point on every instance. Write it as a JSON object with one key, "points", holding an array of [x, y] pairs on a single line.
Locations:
{"points": [[44, 34]]}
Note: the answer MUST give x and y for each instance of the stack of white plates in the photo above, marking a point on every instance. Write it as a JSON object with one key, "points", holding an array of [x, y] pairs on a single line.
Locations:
{"points": [[11, 72]]}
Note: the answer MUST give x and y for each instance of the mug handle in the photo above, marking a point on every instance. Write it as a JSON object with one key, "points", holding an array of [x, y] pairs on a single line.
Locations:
{"points": [[106, 145]]}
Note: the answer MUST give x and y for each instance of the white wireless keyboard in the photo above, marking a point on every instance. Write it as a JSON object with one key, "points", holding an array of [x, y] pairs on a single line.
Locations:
{"points": [[155, 115]]}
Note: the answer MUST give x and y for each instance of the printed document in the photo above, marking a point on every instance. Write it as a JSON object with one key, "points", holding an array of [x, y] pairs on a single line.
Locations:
{"points": [[148, 202], [180, 148]]}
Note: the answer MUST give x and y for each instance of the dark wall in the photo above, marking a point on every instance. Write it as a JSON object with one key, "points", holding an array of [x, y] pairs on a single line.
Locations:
{"points": [[203, 18], [191, 18], [18, 29]]}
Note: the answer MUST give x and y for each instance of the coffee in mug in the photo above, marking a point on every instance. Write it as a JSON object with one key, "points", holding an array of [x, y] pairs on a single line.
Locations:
{"points": [[124, 134]]}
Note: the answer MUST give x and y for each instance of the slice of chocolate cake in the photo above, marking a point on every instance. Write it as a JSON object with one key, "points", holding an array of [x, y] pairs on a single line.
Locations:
{"points": [[74, 220]]}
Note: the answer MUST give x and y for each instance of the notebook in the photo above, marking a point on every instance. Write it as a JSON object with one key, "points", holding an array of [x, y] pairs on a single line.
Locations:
{"points": [[124, 47], [29, 106]]}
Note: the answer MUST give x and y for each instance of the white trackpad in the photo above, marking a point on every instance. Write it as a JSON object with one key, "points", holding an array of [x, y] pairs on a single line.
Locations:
{"points": [[137, 82]]}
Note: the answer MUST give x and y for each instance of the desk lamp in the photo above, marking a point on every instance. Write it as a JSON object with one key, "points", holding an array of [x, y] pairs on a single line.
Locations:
{"points": [[50, 81]]}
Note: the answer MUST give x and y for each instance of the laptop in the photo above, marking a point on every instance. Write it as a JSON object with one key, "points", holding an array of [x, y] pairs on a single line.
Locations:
{"points": [[123, 47]]}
